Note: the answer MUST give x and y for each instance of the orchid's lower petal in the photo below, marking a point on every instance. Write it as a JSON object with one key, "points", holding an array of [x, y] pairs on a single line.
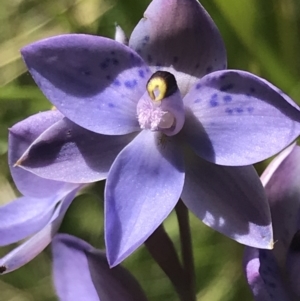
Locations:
{"points": [[82, 273], [281, 180], [263, 276], [23, 217], [189, 48], [21, 135], [39, 241], [235, 118], [230, 200], [94, 81], [143, 186], [68, 152]]}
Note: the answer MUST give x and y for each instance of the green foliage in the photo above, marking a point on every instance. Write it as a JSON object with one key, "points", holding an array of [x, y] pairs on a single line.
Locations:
{"points": [[261, 37]]}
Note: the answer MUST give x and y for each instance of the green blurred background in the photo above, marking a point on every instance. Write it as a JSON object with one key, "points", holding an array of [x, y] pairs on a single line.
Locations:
{"points": [[261, 36]]}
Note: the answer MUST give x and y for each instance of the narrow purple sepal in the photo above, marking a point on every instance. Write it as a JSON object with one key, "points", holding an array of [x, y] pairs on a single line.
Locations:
{"points": [[68, 152], [21, 135], [143, 186], [228, 199], [29, 249], [180, 37], [82, 273]]}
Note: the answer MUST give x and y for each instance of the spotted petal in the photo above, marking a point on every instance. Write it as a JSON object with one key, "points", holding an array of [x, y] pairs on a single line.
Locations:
{"points": [[94, 81], [235, 118], [39, 241], [82, 273], [263, 276], [143, 186], [180, 37], [68, 152], [230, 200], [21, 135]]}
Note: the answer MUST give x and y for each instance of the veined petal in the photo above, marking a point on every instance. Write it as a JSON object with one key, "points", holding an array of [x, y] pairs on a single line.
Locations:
{"points": [[94, 81], [21, 135], [263, 276], [230, 200], [68, 152], [180, 37], [82, 273], [235, 118], [283, 192], [143, 186], [39, 241]]}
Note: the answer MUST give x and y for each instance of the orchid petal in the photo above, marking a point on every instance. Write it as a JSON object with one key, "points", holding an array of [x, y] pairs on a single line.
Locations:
{"points": [[283, 192], [23, 217], [21, 135], [189, 47], [94, 81], [263, 275], [82, 273], [143, 186], [233, 115], [68, 152], [39, 241], [230, 200]]}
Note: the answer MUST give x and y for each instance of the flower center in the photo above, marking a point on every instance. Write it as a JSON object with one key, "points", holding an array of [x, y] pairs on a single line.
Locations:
{"points": [[160, 107]]}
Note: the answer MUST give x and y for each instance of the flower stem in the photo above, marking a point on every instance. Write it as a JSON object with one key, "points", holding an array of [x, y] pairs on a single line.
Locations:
{"points": [[164, 253], [186, 246]]}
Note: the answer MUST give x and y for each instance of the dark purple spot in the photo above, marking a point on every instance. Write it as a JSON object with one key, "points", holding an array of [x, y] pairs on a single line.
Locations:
{"points": [[198, 86], [252, 90], [103, 65], [197, 100], [116, 82], [149, 58], [213, 101], [248, 95], [146, 38], [223, 76], [197, 66], [175, 59], [2, 269], [227, 98], [228, 111], [250, 109], [139, 51], [209, 69], [224, 66], [226, 87], [107, 60], [141, 73], [239, 110], [108, 77], [115, 62], [112, 52], [111, 105], [130, 83]]}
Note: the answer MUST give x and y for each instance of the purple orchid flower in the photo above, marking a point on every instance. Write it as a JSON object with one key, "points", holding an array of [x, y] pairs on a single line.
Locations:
{"points": [[274, 275], [39, 212], [82, 273], [154, 119]]}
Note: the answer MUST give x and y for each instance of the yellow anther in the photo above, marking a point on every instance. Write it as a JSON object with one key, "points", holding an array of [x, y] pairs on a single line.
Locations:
{"points": [[157, 88], [161, 85]]}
